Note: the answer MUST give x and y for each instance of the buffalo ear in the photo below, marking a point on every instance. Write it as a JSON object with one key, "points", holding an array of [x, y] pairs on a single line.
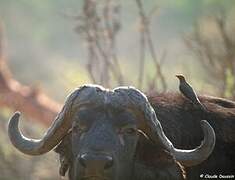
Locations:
{"points": [[151, 154], [65, 154], [156, 157]]}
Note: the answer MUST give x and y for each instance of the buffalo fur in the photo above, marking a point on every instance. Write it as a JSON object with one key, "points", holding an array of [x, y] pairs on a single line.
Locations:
{"points": [[150, 163], [180, 120]]}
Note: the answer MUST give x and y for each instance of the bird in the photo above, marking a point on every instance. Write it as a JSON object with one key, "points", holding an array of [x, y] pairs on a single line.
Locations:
{"points": [[187, 90]]}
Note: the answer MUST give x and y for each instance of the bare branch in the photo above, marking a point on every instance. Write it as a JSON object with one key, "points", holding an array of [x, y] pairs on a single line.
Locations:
{"points": [[150, 44], [216, 56], [32, 102]]}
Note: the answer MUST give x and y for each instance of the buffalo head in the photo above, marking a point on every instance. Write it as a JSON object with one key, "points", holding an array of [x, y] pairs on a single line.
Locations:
{"points": [[103, 128]]}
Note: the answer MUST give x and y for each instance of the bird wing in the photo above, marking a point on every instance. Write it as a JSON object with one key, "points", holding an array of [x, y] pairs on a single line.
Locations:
{"points": [[189, 93]]}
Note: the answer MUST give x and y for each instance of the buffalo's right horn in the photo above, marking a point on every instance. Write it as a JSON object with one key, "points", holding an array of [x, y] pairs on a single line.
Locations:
{"points": [[51, 138]]}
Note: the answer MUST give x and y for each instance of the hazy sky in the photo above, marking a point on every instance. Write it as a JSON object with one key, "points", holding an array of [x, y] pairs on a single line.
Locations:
{"points": [[41, 40]]}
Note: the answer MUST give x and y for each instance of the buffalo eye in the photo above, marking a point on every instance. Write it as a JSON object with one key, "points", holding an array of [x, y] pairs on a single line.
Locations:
{"points": [[128, 130], [78, 129]]}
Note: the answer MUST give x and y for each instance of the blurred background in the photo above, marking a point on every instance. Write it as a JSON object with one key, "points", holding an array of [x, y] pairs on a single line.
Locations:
{"points": [[48, 48]]}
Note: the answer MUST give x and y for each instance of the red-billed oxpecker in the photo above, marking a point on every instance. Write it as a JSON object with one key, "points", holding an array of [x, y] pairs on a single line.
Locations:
{"points": [[187, 90]]}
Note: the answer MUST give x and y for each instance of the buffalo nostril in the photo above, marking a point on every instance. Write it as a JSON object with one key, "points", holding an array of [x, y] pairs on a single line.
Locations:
{"points": [[82, 160], [109, 162], [95, 161]]}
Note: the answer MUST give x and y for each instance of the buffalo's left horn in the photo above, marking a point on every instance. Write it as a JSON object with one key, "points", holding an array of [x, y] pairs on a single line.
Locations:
{"points": [[196, 156], [51, 138], [152, 127], [185, 157]]}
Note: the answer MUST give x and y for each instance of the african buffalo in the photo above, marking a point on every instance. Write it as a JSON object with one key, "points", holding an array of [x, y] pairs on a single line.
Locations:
{"points": [[113, 134]]}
